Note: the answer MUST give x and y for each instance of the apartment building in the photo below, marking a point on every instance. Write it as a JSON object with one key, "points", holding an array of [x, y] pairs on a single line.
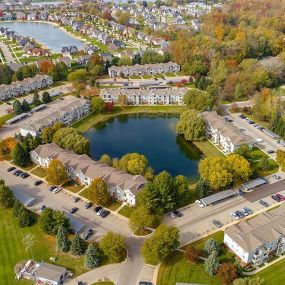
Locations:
{"points": [[256, 240], [146, 69], [222, 133], [159, 95], [84, 170], [25, 86], [67, 110]]}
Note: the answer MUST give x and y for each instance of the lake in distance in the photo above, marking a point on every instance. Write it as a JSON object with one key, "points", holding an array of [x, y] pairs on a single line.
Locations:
{"points": [[154, 137], [47, 34]]}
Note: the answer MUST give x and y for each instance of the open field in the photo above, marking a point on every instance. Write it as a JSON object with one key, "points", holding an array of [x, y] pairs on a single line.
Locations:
{"points": [[126, 211]]}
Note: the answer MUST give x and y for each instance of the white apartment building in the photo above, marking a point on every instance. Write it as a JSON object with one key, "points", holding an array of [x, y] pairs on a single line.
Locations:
{"points": [[226, 136], [256, 239], [25, 86], [84, 170], [145, 96], [68, 110], [146, 69]]}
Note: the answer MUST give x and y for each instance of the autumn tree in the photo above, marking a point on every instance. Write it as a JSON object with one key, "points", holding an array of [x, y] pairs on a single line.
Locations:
{"points": [[45, 66], [192, 254], [280, 158], [227, 273], [48, 132], [98, 192], [97, 104], [56, 173]]}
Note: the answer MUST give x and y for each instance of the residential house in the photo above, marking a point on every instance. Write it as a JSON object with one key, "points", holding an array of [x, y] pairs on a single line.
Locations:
{"points": [[223, 134], [65, 59], [84, 170], [83, 60], [69, 50]]}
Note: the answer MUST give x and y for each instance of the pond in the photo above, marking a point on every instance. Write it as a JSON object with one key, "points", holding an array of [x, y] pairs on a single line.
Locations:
{"points": [[47, 34], [153, 136]]}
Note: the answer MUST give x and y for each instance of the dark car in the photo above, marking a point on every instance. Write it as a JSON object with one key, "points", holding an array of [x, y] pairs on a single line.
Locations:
{"points": [[174, 214], [18, 172], [271, 151], [145, 283], [38, 182], [217, 223], [98, 210], [263, 203], [247, 210], [88, 234], [240, 214], [52, 188], [11, 169], [24, 175], [73, 210], [80, 283], [88, 205], [242, 116], [275, 198], [76, 199], [43, 207], [104, 213]]}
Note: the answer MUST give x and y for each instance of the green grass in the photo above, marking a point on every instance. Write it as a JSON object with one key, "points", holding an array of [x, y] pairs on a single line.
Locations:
{"points": [[147, 76], [274, 274], [5, 118], [114, 205], [178, 269], [73, 186], [142, 232], [39, 171], [26, 168], [208, 149], [88, 122], [170, 75], [104, 283], [126, 211], [135, 77], [13, 249], [159, 76]]}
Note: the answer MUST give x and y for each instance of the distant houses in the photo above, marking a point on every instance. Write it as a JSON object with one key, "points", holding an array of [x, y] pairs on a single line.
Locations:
{"points": [[164, 95], [146, 69], [223, 134], [83, 169], [25, 86]]}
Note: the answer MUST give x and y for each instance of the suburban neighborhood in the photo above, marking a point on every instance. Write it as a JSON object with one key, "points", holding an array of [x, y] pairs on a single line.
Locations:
{"points": [[142, 142]]}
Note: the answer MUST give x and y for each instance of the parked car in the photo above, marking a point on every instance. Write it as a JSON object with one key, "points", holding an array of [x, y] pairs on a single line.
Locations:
{"points": [[76, 199], [200, 204], [52, 188], [174, 214], [247, 210], [276, 176], [88, 205], [88, 234], [234, 215], [18, 172], [11, 168], [104, 213], [145, 283], [73, 210], [24, 175], [217, 223], [263, 203], [98, 210], [270, 151], [38, 182], [242, 116], [280, 196], [275, 198], [240, 214], [56, 190], [43, 207]]}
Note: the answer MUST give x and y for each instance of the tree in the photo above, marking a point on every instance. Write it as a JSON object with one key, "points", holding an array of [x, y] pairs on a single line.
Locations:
{"points": [[17, 208], [20, 155], [98, 193], [48, 132], [198, 100], [192, 254], [50, 220], [78, 76], [240, 167], [203, 188], [46, 66], [26, 218], [247, 281], [105, 158], [25, 106], [56, 173], [124, 60], [113, 246], [264, 163], [227, 273], [161, 244], [243, 150], [212, 264], [6, 74], [6, 197], [92, 256], [280, 158], [211, 246], [36, 99], [151, 56], [46, 97], [141, 218], [78, 246], [97, 104], [62, 242], [59, 71], [191, 126], [17, 107]]}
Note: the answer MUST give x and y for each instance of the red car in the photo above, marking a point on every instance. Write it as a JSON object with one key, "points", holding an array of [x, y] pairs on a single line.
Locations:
{"points": [[280, 196]]}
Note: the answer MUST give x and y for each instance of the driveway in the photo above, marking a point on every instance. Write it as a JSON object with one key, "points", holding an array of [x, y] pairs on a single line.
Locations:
{"points": [[7, 54]]}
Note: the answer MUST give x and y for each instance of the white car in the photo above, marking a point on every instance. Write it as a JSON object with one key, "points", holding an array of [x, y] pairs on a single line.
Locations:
{"points": [[56, 190], [234, 215], [200, 204]]}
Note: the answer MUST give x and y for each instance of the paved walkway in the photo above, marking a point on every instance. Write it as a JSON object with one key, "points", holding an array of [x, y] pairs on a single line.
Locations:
{"points": [[7, 53]]}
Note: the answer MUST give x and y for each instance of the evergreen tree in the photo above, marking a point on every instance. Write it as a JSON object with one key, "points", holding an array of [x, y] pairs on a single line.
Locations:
{"points": [[20, 155], [26, 218], [6, 197], [36, 99], [25, 106], [92, 256], [211, 246], [203, 188], [78, 245], [46, 97], [17, 208], [212, 264], [17, 107], [62, 242]]}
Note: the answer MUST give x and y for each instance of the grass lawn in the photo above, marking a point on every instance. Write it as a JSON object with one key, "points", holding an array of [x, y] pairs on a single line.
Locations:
{"points": [[114, 205], [73, 186], [135, 77], [274, 274], [142, 232], [39, 171], [26, 168], [104, 283], [13, 249], [6, 117], [169, 74], [180, 270], [88, 122], [126, 211], [147, 76], [159, 76], [208, 149]]}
